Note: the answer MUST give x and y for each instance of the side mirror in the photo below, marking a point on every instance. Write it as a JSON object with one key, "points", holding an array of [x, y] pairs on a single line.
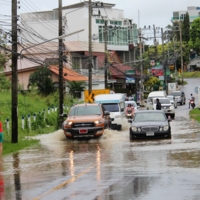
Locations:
{"points": [[106, 112], [65, 115]]}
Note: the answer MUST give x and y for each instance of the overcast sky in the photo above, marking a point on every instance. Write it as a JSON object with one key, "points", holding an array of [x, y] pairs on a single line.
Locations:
{"points": [[143, 12]]}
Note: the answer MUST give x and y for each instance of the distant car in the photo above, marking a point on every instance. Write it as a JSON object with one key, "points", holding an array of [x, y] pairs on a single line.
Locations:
{"points": [[166, 106], [86, 120], [133, 103], [179, 96], [172, 100], [148, 124]]}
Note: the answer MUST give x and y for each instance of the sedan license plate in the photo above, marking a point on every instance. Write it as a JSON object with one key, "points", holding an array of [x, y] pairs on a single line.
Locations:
{"points": [[83, 131], [150, 134]]}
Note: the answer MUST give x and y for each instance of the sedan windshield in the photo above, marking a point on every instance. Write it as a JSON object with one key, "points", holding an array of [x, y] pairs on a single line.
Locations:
{"points": [[170, 97], [85, 110], [163, 101], [149, 116]]}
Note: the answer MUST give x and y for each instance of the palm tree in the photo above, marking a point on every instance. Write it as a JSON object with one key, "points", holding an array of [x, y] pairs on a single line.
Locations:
{"points": [[75, 88]]}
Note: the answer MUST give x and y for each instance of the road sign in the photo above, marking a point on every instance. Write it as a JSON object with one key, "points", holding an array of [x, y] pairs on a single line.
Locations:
{"points": [[90, 98], [171, 86]]}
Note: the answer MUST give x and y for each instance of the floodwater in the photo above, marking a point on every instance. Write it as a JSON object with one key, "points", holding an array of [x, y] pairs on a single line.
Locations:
{"points": [[108, 168], [111, 167]]}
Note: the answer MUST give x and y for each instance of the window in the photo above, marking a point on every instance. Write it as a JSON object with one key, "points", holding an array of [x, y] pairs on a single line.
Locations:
{"points": [[76, 62], [117, 23], [111, 107], [99, 21], [85, 110]]}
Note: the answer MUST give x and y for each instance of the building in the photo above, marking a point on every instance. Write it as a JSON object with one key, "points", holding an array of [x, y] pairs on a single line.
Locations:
{"points": [[193, 11], [122, 32]]}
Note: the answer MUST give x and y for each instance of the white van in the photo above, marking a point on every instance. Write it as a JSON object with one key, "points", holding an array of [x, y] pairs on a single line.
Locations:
{"points": [[152, 95], [115, 104]]}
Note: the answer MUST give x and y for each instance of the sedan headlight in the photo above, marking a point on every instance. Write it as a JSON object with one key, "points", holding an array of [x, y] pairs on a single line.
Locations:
{"points": [[134, 129], [171, 107], [165, 128]]}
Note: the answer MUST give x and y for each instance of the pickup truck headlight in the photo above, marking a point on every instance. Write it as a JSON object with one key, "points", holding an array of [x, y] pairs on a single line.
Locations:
{"points": [[98, 122], [67, 123]]}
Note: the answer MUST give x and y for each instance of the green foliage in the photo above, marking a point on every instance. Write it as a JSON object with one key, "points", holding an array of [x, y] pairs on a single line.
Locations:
{"points": [[2, 61], [5, 84], [75, 87], [186, 28], [152, 82], [194, 42], [42, 79]]}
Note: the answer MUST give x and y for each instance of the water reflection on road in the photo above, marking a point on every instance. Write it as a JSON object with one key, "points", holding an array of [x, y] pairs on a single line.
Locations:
{"points": [[111, 167]]}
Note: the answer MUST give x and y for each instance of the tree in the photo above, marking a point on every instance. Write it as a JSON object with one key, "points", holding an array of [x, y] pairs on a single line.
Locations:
{"points": [[186, 28], [42, 79], [151, 82], [5, 84], [75, 87], [194, 42]]}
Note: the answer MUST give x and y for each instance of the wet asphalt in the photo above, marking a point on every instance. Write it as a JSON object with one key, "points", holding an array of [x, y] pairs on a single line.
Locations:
{"points": [[110, 168]]}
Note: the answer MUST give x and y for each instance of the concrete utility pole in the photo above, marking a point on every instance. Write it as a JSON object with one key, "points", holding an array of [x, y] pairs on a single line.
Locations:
{"points": [[14, 74], [155, 44], [165, 70], [90, 48], [106, 59], [60, 49], [141, 71], [181, 51]]}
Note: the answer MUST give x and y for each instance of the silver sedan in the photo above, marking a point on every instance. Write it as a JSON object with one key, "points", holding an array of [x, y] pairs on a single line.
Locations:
{"points": [[173, 100]]}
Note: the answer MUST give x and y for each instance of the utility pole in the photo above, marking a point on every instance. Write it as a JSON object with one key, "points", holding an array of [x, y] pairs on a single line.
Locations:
{"points": [[106, 59], [165, 67], [14, 74], [181, 51], [90, 48], [155, 44], [60, 51], [141, 71]]}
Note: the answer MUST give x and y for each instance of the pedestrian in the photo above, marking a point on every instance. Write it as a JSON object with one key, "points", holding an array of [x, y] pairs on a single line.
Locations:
{"points": [[192, 98], [1, 137], [158, 104]]}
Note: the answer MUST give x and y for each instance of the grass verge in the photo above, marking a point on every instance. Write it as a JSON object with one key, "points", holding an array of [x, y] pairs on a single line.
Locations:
{"points": [[195, 114], [9, 147]]}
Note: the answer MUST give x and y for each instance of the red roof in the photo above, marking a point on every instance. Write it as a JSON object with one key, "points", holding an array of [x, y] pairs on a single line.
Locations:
{"points": [[71, 74], [119, 70]]}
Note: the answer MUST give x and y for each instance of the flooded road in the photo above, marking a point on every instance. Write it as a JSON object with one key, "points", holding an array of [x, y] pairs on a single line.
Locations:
{"points": [[110, 168]]}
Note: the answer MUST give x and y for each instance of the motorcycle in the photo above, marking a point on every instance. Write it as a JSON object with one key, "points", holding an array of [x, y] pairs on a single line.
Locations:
{"points": [[129, 114], [192, 104]]}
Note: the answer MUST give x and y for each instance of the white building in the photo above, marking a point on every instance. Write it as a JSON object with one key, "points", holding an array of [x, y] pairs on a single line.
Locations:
{"points": [[122, 32], [193, 11]]}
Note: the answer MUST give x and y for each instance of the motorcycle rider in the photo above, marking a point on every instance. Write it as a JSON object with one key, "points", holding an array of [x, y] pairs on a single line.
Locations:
{"points": [[192, 98], [130, 109]]}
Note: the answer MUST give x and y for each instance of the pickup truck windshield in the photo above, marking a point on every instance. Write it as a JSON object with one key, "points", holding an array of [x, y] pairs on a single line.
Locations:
{"points": [[85, 110]]}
